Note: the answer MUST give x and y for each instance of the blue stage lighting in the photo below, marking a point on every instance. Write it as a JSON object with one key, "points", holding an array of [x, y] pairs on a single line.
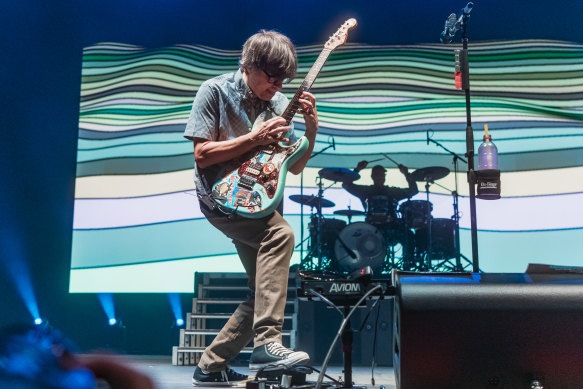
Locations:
{"points": [[14, 259], [176, 308], [38, 321], [106, 300]]}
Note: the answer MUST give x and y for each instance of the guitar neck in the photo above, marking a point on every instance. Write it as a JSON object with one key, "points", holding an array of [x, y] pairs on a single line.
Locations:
{"points": [[294, 104]]}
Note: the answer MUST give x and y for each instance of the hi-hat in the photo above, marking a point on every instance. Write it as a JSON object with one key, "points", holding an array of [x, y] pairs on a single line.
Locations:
{"points": [[349, 212], [312, 201], [430, 173], [339, 174]]}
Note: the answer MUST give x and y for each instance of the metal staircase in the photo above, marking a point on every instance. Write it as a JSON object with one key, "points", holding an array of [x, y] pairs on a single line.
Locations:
{"points": [[216, 296]]}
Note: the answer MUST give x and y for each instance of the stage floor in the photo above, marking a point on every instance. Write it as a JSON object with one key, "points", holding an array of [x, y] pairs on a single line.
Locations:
{"points": [[167, 376]]}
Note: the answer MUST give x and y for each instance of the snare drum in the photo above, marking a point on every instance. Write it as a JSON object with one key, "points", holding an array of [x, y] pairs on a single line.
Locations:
{"points": [[380, 210], [329, 230], [414, 213], [358, 245]]}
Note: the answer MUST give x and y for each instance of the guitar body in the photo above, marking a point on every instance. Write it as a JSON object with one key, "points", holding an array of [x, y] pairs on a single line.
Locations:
{"points": [[254, 184]]}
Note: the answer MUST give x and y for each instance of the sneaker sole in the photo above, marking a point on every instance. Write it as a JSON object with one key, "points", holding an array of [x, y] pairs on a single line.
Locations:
{"points": [[232, 384], [283, 364]]}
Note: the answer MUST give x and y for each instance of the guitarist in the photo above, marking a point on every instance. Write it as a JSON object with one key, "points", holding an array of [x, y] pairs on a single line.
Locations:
{"points": [[220, 128]]}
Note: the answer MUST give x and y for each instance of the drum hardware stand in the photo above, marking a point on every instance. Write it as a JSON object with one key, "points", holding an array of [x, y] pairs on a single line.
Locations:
{"points": [[391, 250], [392, 261], [319, 223], [317, 217], [456, 214], [427, 266], [302, 240], [428, 210], [316, 250], [458, 266], [463, 70]]}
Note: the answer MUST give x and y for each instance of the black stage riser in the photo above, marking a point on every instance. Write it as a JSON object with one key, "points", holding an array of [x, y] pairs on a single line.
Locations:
{"points": [[491, 334]]}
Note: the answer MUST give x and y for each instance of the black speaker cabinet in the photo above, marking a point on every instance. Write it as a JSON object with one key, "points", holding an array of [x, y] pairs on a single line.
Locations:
{"points": [[473, 331]]}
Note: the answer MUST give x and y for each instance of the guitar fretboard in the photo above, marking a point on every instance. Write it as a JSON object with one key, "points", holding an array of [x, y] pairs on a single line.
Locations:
{"points": [[294, 104]]}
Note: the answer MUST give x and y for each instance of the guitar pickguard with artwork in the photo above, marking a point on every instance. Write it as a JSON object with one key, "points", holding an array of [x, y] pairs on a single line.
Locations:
{"points": [[254, 188]]}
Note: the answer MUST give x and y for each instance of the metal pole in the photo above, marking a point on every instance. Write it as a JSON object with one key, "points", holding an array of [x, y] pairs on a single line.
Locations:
{"points": [[469, 144]]}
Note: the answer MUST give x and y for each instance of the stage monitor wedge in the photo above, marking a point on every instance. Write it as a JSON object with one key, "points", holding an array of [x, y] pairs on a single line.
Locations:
{"points": [[464, 330]]}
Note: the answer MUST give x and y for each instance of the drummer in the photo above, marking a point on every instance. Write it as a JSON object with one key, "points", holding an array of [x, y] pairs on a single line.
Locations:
{"points": [[380, 202], [378, 174]]}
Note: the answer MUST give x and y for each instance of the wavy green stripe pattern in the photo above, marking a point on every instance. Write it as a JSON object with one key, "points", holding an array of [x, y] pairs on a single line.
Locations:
{"points": [[135, 101]]}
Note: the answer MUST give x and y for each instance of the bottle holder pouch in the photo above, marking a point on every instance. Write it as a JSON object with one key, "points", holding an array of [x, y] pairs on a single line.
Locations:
{"points": [[488, 184]]}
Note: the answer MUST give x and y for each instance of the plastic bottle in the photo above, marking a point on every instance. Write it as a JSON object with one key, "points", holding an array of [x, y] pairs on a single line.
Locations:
{"points": [[487, 153]]}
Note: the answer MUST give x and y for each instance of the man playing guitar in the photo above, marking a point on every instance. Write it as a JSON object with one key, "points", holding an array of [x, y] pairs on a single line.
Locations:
{"points": [[219, 126]]}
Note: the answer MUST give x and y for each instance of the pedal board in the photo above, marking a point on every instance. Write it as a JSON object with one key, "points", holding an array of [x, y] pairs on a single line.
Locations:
{"points": [[292, 378]]}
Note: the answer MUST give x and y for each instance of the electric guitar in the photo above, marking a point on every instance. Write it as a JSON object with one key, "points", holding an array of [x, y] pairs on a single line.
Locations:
{"points": [[253, 184]]}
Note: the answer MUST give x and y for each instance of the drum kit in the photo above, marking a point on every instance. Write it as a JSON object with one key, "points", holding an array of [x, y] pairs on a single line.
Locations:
{"points": [[401, 236]]}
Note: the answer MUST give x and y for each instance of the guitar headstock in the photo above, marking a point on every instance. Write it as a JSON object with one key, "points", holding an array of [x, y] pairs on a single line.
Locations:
{"points": [[339, 38]]}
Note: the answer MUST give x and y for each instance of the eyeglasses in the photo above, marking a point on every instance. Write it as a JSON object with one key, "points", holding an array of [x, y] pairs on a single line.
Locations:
{"points": [[273, 79]]}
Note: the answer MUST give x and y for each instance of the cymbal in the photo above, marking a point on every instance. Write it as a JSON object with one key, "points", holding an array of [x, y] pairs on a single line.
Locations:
{"points": [[349, 212], [312, 201], [339, 174], [430, 173]]}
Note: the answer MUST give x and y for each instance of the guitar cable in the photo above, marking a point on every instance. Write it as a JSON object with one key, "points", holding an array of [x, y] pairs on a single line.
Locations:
{"points": [[340, 330]]}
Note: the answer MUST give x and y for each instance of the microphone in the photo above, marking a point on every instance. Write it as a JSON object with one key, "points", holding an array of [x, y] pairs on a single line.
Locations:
{"points": [[348, 250], [333, 144], [453, 23], [427, 133]]}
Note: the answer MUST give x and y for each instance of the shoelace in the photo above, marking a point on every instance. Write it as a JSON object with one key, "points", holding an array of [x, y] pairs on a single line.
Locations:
{"points": [[225, 376], [234, 374], [278, 349]]}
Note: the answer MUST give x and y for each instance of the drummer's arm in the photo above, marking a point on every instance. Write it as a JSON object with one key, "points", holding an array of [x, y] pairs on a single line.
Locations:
{"points": [[413, 189], [353, 189], [357, 191]]}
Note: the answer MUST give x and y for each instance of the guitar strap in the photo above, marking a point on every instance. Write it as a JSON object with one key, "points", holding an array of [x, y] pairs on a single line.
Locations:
{"points": [[213, 207]]}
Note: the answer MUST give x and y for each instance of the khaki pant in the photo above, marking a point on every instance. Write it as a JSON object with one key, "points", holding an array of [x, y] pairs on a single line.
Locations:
{"points": [[265, 247]]}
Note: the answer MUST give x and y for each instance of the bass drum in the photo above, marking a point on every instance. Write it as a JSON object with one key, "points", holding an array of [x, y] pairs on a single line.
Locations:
{"points": [[442, 239], [329, 230], [359, 245]]}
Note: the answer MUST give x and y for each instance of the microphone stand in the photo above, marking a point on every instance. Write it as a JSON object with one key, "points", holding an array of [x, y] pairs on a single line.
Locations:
{"points": [[469, 142], [456, 214], [465, 81]]}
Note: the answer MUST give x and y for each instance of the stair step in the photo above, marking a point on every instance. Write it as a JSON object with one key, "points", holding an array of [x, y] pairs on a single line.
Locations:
{"points": [[290, 289], [221, 316], [225, 287], [215, 293], [215, 332], [228, 301], [201, 349]]}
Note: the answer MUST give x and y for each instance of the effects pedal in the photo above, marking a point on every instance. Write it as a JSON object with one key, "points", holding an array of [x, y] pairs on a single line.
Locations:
{"points": [[283, 378]]}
